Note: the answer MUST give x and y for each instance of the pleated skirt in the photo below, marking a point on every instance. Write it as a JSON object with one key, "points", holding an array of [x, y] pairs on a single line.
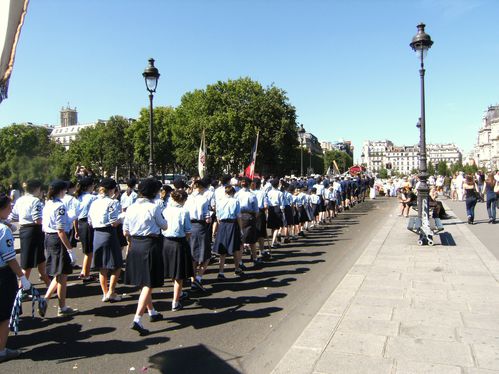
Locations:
{"points": [[32, 246], [275, 218], [107, 249], [144, 263], [228, 239], [9, 287], [248, 229], [86, 234], [58, 260], [200, 242], [177, 259]]}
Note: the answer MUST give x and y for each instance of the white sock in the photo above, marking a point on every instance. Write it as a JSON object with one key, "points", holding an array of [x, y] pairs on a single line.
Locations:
{"points": [[175, 304], [199, 278], [137, 319], [152, 312]]}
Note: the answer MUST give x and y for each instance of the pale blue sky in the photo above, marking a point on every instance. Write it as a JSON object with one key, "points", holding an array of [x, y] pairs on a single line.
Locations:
{"points": [[346, 65]]}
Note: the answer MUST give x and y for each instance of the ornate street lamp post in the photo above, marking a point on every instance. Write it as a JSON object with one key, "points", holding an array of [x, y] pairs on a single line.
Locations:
{"points": [[301, 134], [421, 43], [151, 76]]}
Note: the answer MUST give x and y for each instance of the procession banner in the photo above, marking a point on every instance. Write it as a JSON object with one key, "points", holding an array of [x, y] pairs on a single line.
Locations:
{"points": [[12, 13], [202, 157], [250, 169]]}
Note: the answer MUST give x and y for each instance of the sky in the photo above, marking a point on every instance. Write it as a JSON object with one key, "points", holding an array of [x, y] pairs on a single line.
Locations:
{"points": [[346, 65]]}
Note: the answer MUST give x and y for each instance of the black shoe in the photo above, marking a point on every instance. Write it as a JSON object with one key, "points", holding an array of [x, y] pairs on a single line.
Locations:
{"points": [[42, 308], [197, 286], [141, 330], [239, 272], [266, 255], [221, 277], [177, 308], [156, 317], [76, 267], [184, 295], [243, 267]]}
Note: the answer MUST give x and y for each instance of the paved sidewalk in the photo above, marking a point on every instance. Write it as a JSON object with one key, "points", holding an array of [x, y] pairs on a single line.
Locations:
{"points": [[407, 309]]}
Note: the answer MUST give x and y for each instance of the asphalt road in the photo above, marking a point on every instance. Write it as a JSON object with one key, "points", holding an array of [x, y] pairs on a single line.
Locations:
{"points": [[242, 326]]}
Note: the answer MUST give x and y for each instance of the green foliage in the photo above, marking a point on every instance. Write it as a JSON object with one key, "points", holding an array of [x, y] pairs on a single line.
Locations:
{"points": [[343, 160], [26, 152], [443, 169], [383, 173], [431, 169], [231, 113], [103, 147]]}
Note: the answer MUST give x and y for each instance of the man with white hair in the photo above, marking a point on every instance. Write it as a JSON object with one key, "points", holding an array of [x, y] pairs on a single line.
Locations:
{"points": [[459, 186]]}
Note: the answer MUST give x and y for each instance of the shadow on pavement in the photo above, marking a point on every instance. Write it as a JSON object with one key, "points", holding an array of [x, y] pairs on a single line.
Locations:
{"points": [[196, 359], [65, 343]]}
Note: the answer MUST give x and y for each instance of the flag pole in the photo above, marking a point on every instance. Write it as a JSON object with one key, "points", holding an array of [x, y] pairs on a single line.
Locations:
{"points": [[256, 151]]}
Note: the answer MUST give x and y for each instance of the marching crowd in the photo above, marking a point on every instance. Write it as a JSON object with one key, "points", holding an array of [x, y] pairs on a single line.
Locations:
{"points": [[155, 232]]}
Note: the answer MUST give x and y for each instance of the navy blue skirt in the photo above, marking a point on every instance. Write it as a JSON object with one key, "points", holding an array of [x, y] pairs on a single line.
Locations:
{"points": [[32, 246], [200, 242], [86, 234], [177, 258], [107, 249], [144, 263], [274, 221], [228, 238], [9, 287], [248, 228], [58, 260]]}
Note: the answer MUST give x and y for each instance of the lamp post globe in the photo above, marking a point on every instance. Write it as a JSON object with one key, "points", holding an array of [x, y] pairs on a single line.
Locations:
{"points": [[151, 76], [301, 134], [421, 43]]}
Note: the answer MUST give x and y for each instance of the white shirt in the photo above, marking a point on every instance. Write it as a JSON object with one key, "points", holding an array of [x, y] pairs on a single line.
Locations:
{"points": [[27, 210], [103, 212]]}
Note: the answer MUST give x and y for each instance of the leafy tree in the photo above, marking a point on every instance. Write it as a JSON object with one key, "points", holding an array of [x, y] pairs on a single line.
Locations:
{"points": [[431, 169], [27, 152], [442, 168], [138, 137], [231, 113], [104, 147], [343, 160], [383, 173]]}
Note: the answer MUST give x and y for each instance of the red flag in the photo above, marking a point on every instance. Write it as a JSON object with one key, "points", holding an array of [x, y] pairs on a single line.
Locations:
{"points": [[250, 169]]}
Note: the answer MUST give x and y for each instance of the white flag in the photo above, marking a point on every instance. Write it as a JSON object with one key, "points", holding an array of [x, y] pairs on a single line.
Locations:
{"points": [[12, 14], [202, 157]]}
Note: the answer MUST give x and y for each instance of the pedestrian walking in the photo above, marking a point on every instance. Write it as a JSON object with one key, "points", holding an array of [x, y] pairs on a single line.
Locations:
{"points": [[83, 231], [470, 194], [491, 197], [55, 221], [144, 266], [177, 257], [200, 239], [10, 272], [228, 238], [28, 212], [103, 217]]}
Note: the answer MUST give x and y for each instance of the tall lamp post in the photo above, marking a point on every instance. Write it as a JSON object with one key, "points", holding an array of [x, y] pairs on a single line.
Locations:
{"points": [[421, 43], [151, 76], [301, 134]]}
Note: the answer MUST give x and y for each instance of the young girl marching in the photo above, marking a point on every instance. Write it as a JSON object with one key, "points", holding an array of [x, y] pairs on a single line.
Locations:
{"points": [[103, 217], [10, 272], [177, 257], [83, 231], [144, 266], [57, 245]]}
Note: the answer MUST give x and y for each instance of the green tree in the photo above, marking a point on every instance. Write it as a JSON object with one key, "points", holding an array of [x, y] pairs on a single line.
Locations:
{"points": [[442, 168], [431, 169], [104, 147], [138, 137], [343, 160], [383, 173], [27, 152], [231, 113]]}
